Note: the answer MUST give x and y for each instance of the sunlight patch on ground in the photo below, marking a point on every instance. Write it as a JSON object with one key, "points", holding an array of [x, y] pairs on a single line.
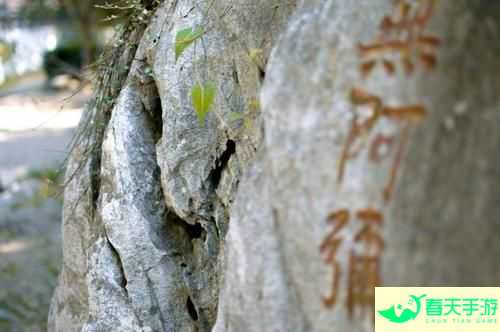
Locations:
{"points": [[14, 246], [20, 119]]}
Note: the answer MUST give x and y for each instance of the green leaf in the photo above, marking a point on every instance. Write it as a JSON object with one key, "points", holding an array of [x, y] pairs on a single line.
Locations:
{"points": [[202, 97], [184, 38]]}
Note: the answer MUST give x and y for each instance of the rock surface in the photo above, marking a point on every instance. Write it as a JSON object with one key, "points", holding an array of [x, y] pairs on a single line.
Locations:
{"points": [[275, 278], [157, 243]]}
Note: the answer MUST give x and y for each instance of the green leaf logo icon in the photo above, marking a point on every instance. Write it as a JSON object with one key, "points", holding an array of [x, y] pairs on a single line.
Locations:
{"points": [[406, 315]]}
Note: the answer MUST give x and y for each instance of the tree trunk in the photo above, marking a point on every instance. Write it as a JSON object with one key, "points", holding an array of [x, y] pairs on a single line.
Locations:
{"points": [[148, 200], [170, 225]]}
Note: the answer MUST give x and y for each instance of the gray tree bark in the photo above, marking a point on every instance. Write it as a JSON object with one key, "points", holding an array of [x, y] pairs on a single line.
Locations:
{"points": [[173, 226]]}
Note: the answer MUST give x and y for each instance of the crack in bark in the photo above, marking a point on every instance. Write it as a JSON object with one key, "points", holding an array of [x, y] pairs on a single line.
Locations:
{"points": [[123, 283], [221, 163], [155, 299], [151, 102], [95, 159], [191, 308]]}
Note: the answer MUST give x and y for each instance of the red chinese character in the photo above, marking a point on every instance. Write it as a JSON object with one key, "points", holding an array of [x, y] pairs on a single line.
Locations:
{"points": [[364, 269], [403, 34], [360, 131], [381, 147], [364, 260], [329, 248]]}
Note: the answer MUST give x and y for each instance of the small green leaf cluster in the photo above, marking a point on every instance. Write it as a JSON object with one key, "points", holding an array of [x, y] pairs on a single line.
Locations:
{"points": [[202, 95]]}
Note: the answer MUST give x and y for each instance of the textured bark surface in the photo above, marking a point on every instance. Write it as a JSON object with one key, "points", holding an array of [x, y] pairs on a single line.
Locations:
{"points": [[150, 246], [148, 201]]}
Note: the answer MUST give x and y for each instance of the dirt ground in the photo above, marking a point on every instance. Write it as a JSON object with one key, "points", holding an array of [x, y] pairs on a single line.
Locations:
{"points": [[36, 127]]}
